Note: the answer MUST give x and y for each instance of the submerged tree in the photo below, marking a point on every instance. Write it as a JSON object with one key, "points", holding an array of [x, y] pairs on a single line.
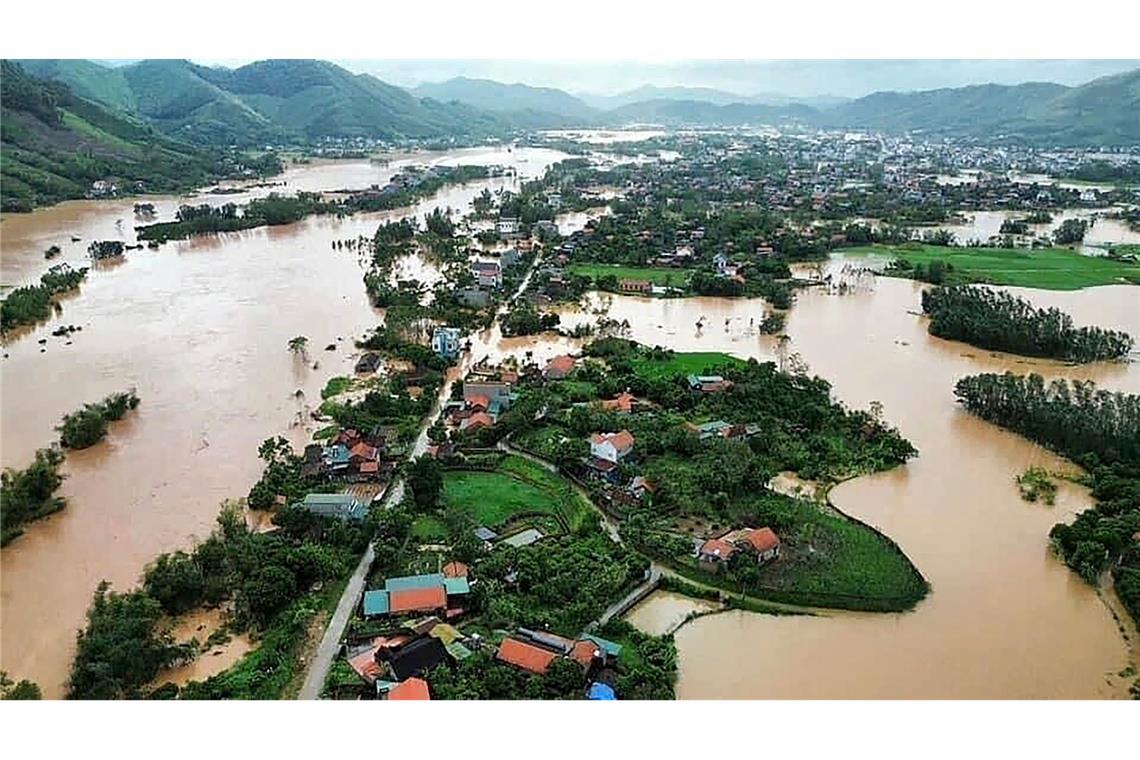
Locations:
{"points": [[299, 346]]}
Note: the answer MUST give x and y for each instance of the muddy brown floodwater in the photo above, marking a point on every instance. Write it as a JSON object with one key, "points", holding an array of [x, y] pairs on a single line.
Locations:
{"points": [[200, 328], [1005, 619]]}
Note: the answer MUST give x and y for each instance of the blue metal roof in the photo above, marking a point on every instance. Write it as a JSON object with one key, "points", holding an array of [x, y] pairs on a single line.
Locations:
{"points": [[607, 646], [602, 692], [375, 603], [408, 582], [456, 586]]}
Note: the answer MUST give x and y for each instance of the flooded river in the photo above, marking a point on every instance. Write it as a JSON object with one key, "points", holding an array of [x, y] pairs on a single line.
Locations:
{"points": [[982, 225], [200, 328], [1005, 618]]}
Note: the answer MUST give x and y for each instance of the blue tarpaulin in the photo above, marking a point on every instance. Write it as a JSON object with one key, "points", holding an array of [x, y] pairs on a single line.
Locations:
{"points": [[601, 691]]}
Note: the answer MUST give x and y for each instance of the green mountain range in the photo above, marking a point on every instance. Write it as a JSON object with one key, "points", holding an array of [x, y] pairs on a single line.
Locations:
{"points": [[1105, 111], [275, 100], [282, 100], [510, 98], [68, 123], [54, 145]]}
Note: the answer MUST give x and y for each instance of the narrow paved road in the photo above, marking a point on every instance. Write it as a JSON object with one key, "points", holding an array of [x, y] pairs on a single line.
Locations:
{"points": [[330, 643], [622, 606]]}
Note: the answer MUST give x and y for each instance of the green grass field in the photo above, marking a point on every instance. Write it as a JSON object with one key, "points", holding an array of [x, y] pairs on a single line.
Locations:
{"points": [[694, 363], [657, 275], [519, 487], [429, 528], [494, 497], [1046, 268]]}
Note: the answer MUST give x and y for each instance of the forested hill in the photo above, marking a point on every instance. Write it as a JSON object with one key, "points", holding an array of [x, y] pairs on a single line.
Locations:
{"points": [[55, 144], [276, 100], [267, 101], [1104, 111], [510, 98]]}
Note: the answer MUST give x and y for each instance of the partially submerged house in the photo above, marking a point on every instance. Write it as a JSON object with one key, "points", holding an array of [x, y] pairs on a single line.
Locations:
{"points": [[635, 286], [496, 392], [488, 274], [560, 367]]}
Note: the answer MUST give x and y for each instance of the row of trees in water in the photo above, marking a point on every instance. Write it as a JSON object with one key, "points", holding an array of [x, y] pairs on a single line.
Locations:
{"points": [[88, 425], [1098, 429], [995, 320], [32, 303]]}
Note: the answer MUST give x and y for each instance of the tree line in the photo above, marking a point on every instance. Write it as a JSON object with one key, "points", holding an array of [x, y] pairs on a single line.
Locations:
{"points": [[996, 320], [1098, 429], [29, 494], [87, 426], [32, 303], [127, 640]]}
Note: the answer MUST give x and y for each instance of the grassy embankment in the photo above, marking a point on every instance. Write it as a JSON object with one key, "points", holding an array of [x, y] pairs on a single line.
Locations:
{"points": [[516, 490], [657, 275], [1045, 268], [691, 363]]}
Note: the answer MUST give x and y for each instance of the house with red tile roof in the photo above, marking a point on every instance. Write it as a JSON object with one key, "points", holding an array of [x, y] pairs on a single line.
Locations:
{"points": [[763, 541], [413, 688], [559, 367], [714, 553], [362, 452], [479, 403], [584, 653], [477, 420], [622, 403], [455, 569], [417, 600], [526, 656], [613, 447]]}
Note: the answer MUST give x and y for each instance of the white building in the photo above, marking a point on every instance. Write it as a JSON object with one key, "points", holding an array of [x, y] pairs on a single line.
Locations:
{"points": [[445, 342], [612, 447]]}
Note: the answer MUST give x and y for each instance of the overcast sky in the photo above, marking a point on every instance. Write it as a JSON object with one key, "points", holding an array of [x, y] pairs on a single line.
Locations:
{"points": [[851, 78], [845, 78]]}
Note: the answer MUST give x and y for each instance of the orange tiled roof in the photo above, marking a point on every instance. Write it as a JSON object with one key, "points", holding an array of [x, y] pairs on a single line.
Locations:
{"points": [[561, 363], [718, 548], [413, 688], [762, 539], [479, 419], [365, 665], [455, 569], [623, 402], [417, 599], [525, 656], [583, 652]]}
